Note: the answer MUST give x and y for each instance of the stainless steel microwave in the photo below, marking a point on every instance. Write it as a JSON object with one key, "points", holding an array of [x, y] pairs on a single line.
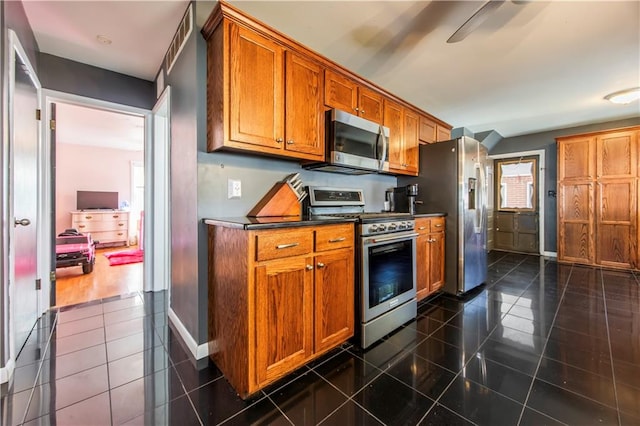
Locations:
{"points": [[353, 145]]}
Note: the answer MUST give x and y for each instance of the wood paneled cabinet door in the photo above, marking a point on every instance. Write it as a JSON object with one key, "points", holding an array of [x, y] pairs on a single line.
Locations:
{"points": [[334, 295], [256, 89], [616, 223], [403, 127], [431, 132], [429, 256], [345, 94], [576, 222], [283, 316], [577, 159], [304, 118], [617, 155]]}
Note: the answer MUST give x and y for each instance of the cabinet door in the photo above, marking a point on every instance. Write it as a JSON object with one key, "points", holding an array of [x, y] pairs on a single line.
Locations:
{"points": [[576, 159], [393, 120], [370, 105], [436, 261], [257, 89], [617, 155], [411, 142], [616, 211], [422, 266], [427, 130], [575, 222], [284, 316], [442, 134], [334, 298], [340, 92], [304, 120]]}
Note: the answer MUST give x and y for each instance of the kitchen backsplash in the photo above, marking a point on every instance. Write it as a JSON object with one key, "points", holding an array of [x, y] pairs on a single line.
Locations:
{"points": [[257, 176]]}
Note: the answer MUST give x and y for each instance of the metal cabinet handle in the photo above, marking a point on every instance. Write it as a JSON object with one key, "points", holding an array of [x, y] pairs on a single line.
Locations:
{"points": [[22, 222], [362, 111], [81, 226], [121, 224], [279, 140], [422, 228], [309, 267], [115, 216], [88, 217], [337, 240], [320, 265], [355, 109], [290, 142], [284, 246], [438, 225]]}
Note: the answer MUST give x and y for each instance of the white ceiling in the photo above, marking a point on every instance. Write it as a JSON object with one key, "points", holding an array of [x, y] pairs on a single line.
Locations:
{"points": [[531, 66]]}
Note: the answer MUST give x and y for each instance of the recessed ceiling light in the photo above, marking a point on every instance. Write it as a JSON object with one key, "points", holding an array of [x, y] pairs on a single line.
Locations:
{"points": [[103, 39], [624, 96]]}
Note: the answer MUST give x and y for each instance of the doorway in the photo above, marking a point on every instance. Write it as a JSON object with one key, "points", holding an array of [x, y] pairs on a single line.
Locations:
{"points": [[517, 204], [99, 190]]}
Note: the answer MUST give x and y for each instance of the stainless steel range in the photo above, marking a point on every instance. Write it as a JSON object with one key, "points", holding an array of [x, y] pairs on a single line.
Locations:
{"points": [[385, 260]]}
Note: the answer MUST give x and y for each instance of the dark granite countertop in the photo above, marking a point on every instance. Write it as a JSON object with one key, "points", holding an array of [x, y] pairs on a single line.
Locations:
{"points": [[254, 223], [434, 214]]}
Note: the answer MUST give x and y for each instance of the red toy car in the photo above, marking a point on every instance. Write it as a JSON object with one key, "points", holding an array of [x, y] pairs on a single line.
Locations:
{"points": [[75, 249]]}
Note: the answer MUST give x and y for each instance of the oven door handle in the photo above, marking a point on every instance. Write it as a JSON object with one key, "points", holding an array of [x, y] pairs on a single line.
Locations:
{"points": [[394, 238]]}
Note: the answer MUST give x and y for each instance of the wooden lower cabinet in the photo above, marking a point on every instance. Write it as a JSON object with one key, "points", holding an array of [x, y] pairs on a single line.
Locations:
{"points": [[429, 255], [278, 298]]}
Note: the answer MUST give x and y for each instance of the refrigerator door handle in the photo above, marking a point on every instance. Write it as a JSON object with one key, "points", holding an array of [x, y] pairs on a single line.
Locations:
{"points": [[481, 199]]}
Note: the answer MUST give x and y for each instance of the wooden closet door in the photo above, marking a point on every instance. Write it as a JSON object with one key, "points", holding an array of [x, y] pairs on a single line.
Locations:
{"points": [[575, 222], [616, 210], [577, 159], [617, 155]]}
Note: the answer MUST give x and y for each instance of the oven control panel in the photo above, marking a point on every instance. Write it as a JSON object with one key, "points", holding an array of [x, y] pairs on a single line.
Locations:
{"points": [[386, 227]]}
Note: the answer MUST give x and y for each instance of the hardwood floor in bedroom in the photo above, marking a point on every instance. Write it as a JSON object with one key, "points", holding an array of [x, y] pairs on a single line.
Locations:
{"points": [[73, 287]]}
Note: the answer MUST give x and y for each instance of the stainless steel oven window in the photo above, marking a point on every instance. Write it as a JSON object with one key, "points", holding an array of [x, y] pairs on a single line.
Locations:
{"points": [[388, 272]]}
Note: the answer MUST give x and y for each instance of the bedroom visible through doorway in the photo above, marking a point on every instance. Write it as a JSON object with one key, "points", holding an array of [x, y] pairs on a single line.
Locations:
{"points": [[99, 190]]}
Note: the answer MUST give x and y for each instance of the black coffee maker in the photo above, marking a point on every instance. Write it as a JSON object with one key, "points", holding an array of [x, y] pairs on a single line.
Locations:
{"points": [[404, 198]]}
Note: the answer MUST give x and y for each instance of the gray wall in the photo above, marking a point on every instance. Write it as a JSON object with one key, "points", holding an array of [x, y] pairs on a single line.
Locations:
{"points": [[68, 76], [546, 141]]}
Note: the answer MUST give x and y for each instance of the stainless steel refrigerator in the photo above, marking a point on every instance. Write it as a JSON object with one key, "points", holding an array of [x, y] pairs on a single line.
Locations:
{"points": [[453, 180]]}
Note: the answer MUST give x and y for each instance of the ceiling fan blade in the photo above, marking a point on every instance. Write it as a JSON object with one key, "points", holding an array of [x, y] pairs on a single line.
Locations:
{"points": [[475, 20]]}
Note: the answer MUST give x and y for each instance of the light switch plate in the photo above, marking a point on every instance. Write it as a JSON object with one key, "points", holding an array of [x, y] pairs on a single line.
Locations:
{"points": [[234, 189]]}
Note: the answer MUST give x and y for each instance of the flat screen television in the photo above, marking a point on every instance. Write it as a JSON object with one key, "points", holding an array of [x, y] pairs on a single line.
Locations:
{"points": [[93, 200]]}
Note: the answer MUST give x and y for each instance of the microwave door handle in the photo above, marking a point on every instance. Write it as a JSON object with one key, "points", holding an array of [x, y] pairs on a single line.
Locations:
{"points": [[385, 145]]}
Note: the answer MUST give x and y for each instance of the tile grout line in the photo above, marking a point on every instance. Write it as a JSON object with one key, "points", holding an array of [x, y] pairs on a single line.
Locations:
{"points": [[613, 373], [437, 400], [544, 347]]}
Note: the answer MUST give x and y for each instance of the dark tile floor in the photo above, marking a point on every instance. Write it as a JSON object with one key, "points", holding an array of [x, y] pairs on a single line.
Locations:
{"points": [[541, 344]]}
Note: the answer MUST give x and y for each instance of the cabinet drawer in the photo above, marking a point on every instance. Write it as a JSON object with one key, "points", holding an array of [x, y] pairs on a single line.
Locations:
{"points": [[274, 244], [86, 217], [109, 236], [334, 237], [437, 224], [102, 225], [423, 225]]}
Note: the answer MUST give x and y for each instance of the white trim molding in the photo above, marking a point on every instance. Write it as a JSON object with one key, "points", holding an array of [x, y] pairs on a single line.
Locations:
{"points": [[7, 371], [198, 351], [541, 188]]}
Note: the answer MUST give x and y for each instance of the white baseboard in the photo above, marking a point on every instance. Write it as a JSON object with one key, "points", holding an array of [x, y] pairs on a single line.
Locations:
{"points": [[550, 253], [198, 351], [7, 371]]}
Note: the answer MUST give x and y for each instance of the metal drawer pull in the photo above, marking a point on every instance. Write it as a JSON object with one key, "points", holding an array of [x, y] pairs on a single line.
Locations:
{"points": [[320, 265], [309, 267], [81, 226], [422, 228], [88, 217], [337, 240], [438, 225], [121, 224], [284, 246], [115, 216]]}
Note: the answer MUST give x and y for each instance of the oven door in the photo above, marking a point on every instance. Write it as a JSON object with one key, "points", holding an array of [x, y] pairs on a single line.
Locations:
{"points": [[388, 272]]}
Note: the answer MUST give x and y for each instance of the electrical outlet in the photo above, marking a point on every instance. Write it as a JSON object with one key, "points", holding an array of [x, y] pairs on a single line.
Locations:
{"points": [[234, 189]]}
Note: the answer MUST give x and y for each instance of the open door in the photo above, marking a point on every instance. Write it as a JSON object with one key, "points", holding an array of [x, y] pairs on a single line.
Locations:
{"points": [[516, 205], [24, 114]]}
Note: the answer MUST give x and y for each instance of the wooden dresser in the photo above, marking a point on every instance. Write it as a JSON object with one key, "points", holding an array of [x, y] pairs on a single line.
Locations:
{"points": [[105, 226]]}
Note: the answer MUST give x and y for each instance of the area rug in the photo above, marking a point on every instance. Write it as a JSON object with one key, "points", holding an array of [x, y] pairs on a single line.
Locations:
{"points": [[125, 256]]}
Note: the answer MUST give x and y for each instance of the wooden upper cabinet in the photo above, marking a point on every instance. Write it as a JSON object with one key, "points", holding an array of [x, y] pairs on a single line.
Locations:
{"points": [[576, 158], [370, 105], [617, 155], [411, 141], [345, 94], [340, 92], [393, 120], [403, 126], [304, 120], [431, 132], [257, 104]]}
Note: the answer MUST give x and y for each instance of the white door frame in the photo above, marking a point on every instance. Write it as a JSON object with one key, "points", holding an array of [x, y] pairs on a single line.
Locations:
{"points": [[541, 191], [158, 195], [52, 96]]}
